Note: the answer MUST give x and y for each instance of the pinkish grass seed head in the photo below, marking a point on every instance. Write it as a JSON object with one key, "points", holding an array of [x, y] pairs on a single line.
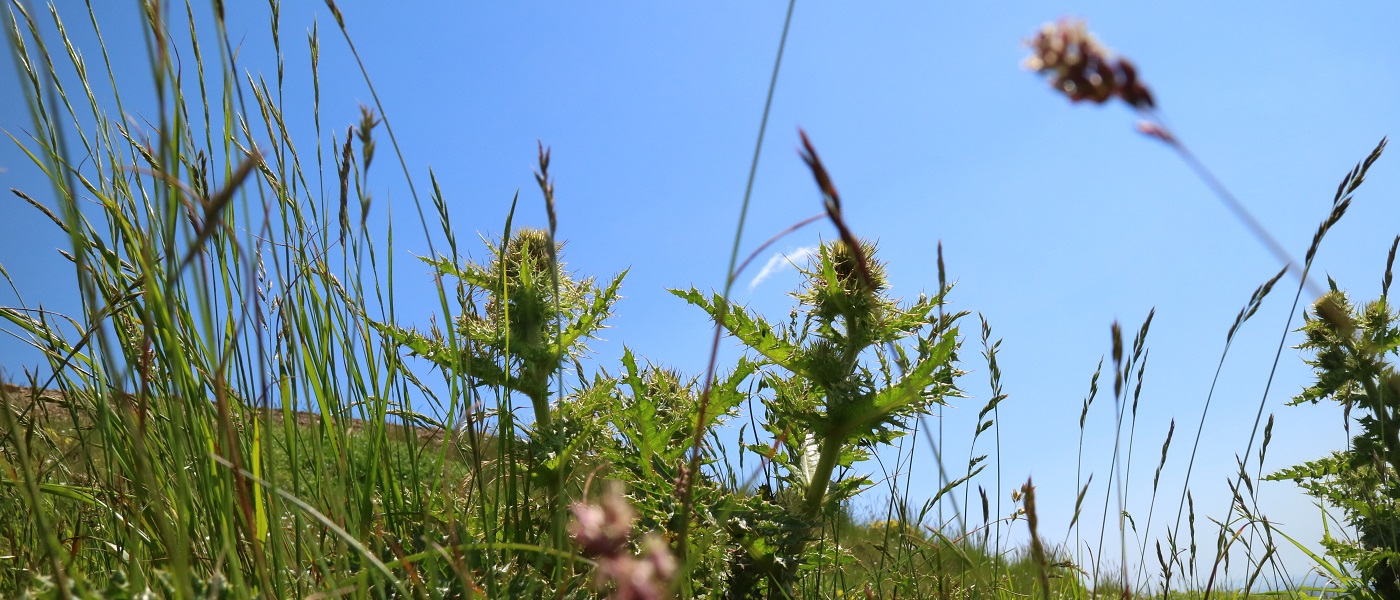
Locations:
{"points": [[1082, 68], [605, 528], [603, 531]]}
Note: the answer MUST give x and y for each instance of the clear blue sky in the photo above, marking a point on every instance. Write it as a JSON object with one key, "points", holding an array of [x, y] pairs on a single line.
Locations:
{"points": [[1056, 219]]}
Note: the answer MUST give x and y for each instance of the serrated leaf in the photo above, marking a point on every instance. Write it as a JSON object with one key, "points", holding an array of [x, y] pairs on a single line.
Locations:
{"points": [[753, 331], [909, 391], [725, 395], [591, 320], [471, 274]]}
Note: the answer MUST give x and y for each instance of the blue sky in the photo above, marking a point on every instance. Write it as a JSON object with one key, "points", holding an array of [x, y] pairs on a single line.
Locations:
{"points": [[1056, 219]]}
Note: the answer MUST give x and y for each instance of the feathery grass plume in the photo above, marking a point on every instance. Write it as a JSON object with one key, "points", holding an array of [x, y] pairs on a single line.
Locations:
{"points": [[1268, 436], [1140, 356], [1093, 392], [214, 205], [1166, 570], [1343, 198], [1256, 299], [942, 272], [1166, 444], [64, 228], [366, 134], [1079, 503], [1244, 474], [1191, 530], [1117, 333], [989, 354], [346, 161], [546, 184], [1121, 372], [1389, 263], [1079, 460], [986, 508], [1152, 503]]}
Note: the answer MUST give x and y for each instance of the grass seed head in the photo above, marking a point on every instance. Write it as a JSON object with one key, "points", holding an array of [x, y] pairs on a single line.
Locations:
{"points": [[1082, 68]]}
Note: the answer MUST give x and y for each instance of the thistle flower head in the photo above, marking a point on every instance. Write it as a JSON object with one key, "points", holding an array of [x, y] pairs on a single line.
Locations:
{"points": [[528, 249], [853, 266]]}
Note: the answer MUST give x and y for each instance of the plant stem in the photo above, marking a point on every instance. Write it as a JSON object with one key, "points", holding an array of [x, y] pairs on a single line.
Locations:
{"points": [[821, 476]]}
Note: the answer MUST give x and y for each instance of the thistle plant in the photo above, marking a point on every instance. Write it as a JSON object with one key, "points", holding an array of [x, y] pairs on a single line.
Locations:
{"points": [[1354, 347], [847, 371], [523, 318], [654, 412], [536, 318]]}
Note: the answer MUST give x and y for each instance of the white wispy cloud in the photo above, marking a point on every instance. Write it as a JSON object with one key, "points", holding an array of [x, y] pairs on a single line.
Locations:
{"points": [[780, 261]]}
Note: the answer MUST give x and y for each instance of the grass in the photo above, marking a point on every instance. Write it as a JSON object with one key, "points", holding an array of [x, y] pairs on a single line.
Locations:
{"points": [[238, 412]]}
